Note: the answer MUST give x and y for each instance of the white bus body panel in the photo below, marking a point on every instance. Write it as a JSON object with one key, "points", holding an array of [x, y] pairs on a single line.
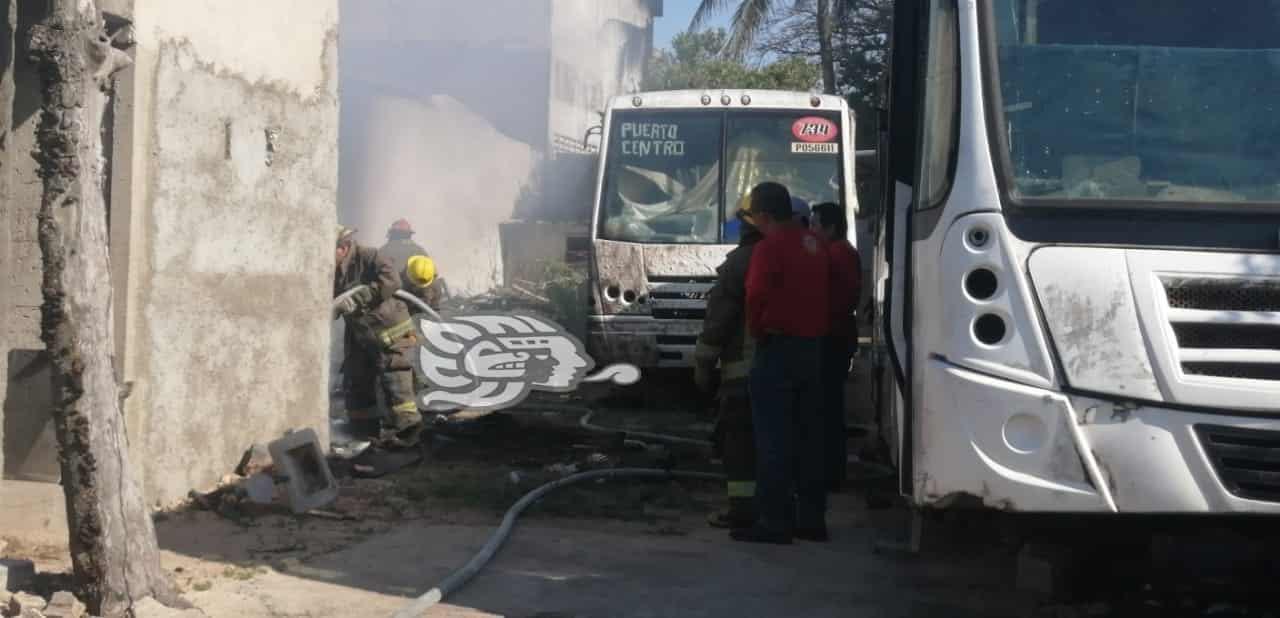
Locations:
{"points": [[1000, 422]]}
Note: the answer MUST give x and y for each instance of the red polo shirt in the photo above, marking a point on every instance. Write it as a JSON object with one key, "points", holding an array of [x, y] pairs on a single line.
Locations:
{"points": [[846, 286], [787, 285]]}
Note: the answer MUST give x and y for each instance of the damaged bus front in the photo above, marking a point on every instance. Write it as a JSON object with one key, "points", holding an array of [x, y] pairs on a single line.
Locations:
{"points": [[1079, 268], [675, 166]]}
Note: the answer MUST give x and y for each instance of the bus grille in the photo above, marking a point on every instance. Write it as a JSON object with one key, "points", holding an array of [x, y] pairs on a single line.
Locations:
{"points": [[679, 298], [1226, 327], [1247, 461]]}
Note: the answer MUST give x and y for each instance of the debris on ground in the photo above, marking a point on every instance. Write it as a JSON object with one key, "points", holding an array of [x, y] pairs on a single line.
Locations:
{"points": [[559, 292], [151, 608], [299, 457], [64, 605], [21, 604], [256, 459], [562, 469], [259, 488]]}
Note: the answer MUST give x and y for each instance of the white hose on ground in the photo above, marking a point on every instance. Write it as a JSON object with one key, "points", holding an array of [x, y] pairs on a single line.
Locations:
{"points": [[458, 578]]}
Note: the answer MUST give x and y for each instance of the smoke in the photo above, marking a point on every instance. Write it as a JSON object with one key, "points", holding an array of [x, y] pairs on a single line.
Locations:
{"points": [[453, 113]]}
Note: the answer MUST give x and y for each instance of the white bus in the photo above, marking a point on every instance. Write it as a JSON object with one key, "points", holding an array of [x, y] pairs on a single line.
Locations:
{"points": [[1077, 269], [674, 166]]}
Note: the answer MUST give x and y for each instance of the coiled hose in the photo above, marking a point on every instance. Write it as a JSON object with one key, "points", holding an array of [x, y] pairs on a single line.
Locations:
{"points": [[458, 578]]}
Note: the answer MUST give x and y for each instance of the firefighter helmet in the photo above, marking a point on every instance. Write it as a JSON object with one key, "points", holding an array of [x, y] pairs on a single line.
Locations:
{"points": [[422, 270]]}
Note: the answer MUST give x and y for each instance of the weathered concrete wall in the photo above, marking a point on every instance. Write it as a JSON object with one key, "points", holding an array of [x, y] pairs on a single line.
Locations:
{"points": [[232, 190], [27, 447], [600, 51]]}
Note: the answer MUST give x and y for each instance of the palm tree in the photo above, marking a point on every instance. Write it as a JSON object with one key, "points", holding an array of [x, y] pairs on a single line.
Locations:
{"points": [[751, 17]]}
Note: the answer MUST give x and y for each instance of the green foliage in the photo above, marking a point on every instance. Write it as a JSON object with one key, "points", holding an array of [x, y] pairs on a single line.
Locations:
{"points": [[695, 62], [566, 288]]}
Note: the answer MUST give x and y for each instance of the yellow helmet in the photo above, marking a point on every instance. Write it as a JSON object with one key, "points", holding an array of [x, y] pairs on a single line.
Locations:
{"points": [[422, 270]]}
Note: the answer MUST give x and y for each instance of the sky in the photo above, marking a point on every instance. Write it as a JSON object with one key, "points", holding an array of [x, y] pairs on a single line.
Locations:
{"points": [[676, 17]]}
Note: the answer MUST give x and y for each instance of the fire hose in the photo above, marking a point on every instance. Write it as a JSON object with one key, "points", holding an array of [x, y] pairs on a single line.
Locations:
{"points": [[458, 578]]}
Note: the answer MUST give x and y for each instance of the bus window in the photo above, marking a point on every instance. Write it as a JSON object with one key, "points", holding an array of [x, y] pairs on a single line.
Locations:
{"points": [[662, 181], [797, 149], [1153, 101]]}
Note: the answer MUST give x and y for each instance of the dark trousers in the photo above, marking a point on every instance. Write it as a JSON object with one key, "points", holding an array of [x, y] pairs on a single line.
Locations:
{"points": [[837, 352], [369, 364], [738, 449], [786, 403]]}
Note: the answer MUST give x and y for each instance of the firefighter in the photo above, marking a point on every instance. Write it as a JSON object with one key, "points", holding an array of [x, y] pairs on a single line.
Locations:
{"points": [[725, 340], [379, 341], [399, 248]]}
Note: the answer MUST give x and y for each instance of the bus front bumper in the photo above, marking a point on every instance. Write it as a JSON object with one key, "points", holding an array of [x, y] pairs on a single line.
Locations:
{"points": [[643, 341], [1022, 448]]}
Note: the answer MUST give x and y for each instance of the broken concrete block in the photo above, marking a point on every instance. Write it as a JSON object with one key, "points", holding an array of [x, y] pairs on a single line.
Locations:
{"points": [[299, 457], [260, 488], [151, 608], [21, 602], [64, 605], [256, 459], [16, 574]]}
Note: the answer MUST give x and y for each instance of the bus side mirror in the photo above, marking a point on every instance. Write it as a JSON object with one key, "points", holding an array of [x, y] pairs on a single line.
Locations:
{"points": [[586, 139]]}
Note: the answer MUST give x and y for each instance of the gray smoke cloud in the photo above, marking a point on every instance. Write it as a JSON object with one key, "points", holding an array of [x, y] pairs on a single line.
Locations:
{"points": [[453, 112]]}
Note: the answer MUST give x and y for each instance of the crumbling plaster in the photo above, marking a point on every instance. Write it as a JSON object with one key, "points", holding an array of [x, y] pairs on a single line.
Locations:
{"points": [[233, 192]]}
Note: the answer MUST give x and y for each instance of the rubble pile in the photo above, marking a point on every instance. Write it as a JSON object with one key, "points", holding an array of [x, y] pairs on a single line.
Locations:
{"points": [[560, 293], [63, 604], [292, 470]]}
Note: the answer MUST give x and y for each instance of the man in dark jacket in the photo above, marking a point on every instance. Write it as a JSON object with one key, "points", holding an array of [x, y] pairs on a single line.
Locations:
{"points": [[841, 341], [399, 248], [725, 340], [787, 315], [378, 343]]}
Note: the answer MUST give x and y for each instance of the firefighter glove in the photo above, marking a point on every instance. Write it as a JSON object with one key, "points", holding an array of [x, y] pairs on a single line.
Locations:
{"points": [[352, 301]]}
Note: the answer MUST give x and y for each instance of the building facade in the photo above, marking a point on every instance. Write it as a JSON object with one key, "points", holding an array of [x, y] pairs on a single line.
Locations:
{"points": [[223, 170]]}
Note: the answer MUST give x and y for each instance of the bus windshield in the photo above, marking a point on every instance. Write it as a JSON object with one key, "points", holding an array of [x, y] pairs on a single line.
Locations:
{"points": [[1164, 101], [663, 181]]}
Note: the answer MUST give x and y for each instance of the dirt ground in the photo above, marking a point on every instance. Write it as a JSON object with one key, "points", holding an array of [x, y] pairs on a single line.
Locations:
{"points": [[617, 548]]}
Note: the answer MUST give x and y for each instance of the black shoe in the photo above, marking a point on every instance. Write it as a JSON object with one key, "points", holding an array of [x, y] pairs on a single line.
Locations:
{"points": [[816, 535], [756, 534], [364, 429], [728, 520], [393, 438]]}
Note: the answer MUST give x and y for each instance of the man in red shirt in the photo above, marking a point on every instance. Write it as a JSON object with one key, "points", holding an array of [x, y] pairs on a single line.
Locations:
{"points": [[838, 347], [787, 314]]}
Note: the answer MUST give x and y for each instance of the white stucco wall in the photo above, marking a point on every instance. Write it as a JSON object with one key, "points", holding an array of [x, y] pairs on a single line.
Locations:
{"points": [[599, 51], [233, 197]]}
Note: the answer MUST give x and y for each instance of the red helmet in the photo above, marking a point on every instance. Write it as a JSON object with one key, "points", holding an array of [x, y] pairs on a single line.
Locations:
{"points": [[402, 226]]}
